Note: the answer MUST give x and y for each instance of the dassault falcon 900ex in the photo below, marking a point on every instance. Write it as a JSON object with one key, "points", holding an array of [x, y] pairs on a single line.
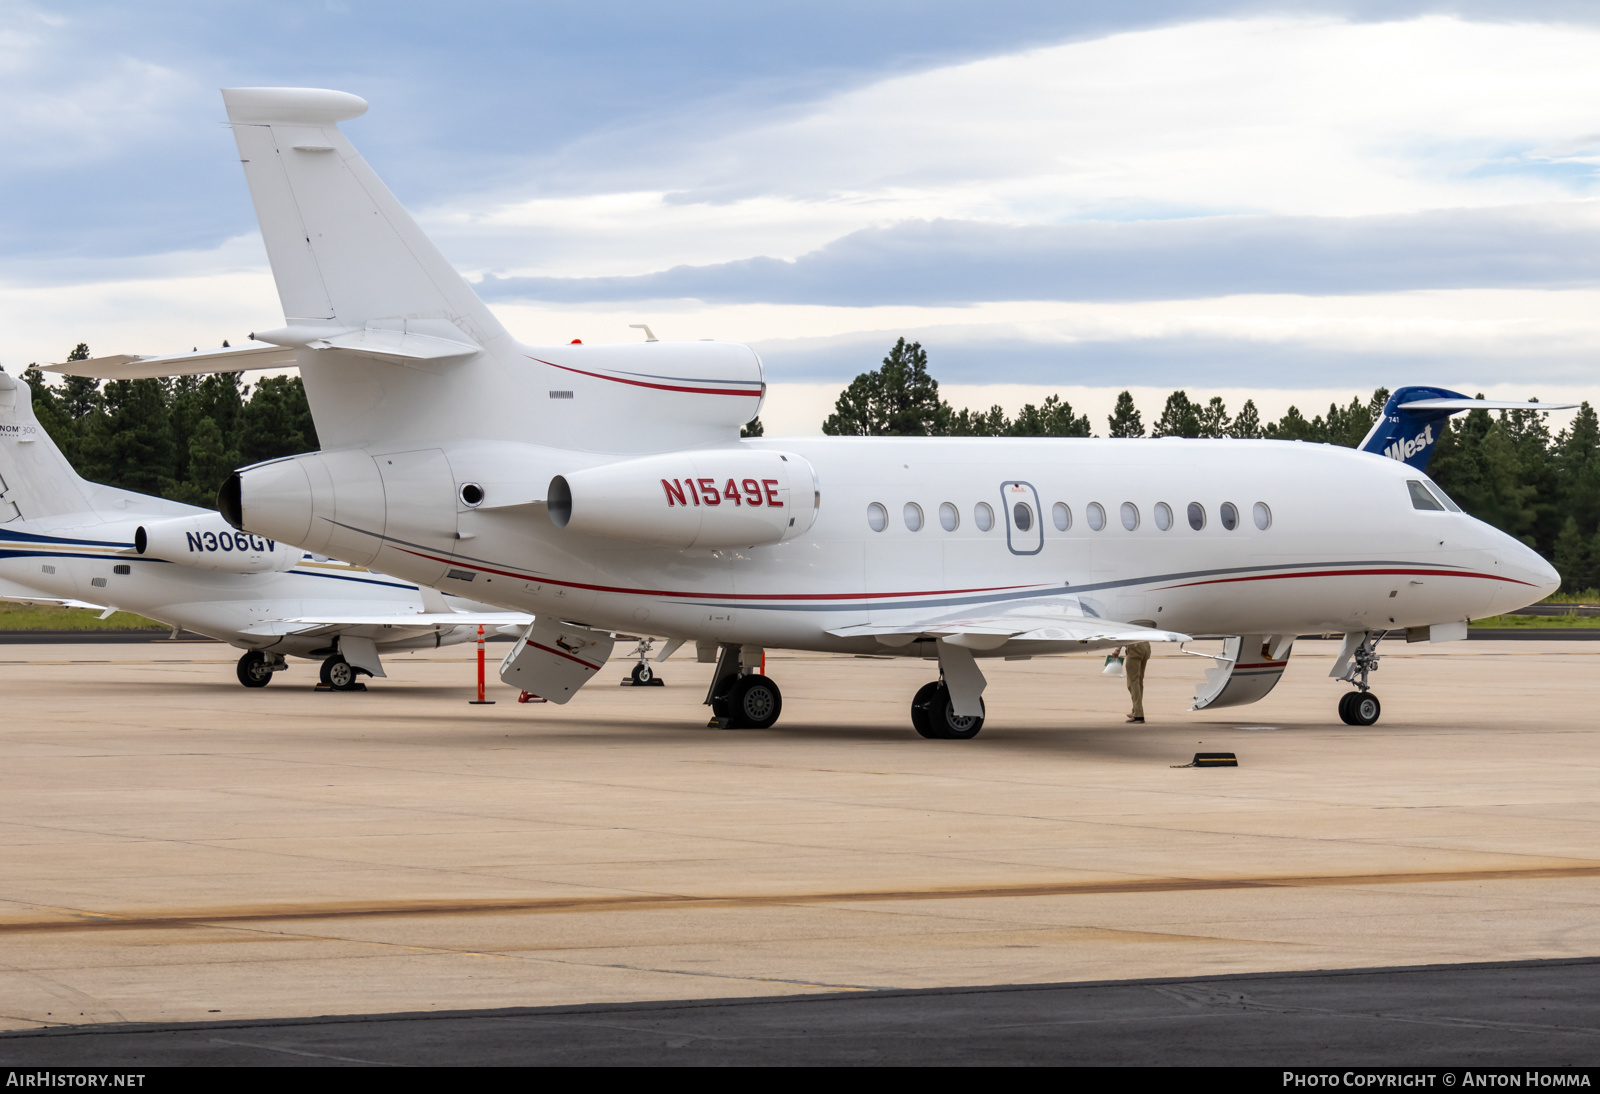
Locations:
{"points": [[604, 488]]}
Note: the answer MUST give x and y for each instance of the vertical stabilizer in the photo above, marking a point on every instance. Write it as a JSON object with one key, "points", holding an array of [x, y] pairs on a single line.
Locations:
{"points": [[344, 252], [35, 478]]}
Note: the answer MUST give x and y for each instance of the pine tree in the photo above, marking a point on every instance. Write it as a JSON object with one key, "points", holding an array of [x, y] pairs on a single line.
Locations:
{"points": [[1294, 427], [1053, 419], [276, 421], [752, 428], [209, 462], [1124, 420], [130, 445], [1178, 418], [978, 423], [1247, 426], [1214, 420], [899, 399], [1572, 557]]}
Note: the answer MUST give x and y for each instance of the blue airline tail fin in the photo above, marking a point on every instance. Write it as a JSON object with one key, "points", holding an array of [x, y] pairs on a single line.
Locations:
{"points": [[1413, 420]]}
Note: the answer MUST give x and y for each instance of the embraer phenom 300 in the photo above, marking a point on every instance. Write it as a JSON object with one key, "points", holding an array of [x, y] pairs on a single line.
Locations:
{"points": [[605, 488]]}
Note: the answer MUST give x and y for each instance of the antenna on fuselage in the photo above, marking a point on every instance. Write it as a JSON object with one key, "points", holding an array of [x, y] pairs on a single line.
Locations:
{"points": [[649, 335]]}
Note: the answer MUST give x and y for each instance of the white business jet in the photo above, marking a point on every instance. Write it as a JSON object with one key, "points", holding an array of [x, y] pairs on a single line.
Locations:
{"points": [[605, 488], [67, 541]]}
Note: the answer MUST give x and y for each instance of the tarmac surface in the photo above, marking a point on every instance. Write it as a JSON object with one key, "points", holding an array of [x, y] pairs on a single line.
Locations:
{"points": [[1542, 1015], [176, 849]]}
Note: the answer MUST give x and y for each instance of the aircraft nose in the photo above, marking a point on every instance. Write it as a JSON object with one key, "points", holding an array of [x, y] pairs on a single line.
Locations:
{"points": [[1529, 578]]}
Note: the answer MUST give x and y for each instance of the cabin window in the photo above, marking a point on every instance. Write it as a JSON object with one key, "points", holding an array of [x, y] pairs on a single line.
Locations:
{"points": [[123, 568], [47, 569], [1061, 515], [1022, 516], [1097, 515], [949, 517], [913, 516], [877, 517], [1262, 514], [98, 582], [1230, 515], [1130, 515], [983, 516], [1163, 514], [1197, 515]]}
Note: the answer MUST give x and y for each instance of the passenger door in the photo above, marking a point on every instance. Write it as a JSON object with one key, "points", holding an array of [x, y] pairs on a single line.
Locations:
{"points": [[1019, 501]]}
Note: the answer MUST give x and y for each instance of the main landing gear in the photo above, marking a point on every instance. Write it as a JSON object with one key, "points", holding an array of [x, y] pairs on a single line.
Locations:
{"points": [[740, 697], [255, 668], [1358, 659], [934, 715], [340, 675]]}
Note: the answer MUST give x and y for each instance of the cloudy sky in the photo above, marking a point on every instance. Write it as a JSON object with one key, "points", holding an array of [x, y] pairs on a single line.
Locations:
{"points": [[1289, 202]]}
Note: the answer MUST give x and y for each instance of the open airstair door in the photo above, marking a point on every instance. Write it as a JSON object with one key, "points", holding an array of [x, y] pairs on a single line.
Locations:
{"points": [[1250, 666], [554, 659]]}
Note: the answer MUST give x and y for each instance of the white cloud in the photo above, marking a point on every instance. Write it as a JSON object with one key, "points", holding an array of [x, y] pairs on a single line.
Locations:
{"points": [[65, 104], [1288, 116]]}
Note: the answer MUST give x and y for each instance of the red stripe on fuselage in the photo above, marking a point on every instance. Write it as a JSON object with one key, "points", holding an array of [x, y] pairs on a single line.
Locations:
{"points": [[718, 596], [644, 383]]}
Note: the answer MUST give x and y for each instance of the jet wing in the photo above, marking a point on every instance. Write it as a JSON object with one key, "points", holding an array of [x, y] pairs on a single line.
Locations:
{"points": [[307, 624], [421, 619], [54, 601], [989, 632]]}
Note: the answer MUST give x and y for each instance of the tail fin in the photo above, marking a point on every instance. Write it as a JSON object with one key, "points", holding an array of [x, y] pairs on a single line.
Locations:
{"points": [[343, 250], [35, 478], [36, 481], [1412, 421]]}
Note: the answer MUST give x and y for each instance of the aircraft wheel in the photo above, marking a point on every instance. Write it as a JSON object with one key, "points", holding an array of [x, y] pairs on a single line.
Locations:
{"points": [[254, 670], [950, 725], [338, 673], [1364, 709], [1344, 706], [642, 673], [921, 704], [754, 703]]}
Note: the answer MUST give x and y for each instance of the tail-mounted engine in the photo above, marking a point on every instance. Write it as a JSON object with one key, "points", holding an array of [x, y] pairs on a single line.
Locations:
{"points": [[208, 542], [711, 498]]}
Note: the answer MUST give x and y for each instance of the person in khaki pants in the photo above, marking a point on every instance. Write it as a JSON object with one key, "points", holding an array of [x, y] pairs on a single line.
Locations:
{"points": [[1134, 658]]}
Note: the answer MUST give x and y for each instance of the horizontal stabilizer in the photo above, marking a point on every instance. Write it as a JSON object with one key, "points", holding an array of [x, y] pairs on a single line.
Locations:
{"points": [[128, 367], [1481, 404]]}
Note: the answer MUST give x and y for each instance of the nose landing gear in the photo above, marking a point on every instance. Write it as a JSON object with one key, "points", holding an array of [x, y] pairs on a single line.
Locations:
{"points": [[1358, 659], [255, 668]]}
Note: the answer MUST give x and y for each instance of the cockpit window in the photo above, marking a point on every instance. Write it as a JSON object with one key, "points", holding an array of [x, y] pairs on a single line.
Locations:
{"points": [[1433, 488], [1422, 497]]}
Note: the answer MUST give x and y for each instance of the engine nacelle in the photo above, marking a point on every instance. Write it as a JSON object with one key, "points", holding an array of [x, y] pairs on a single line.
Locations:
{"points": [[713, 498], [206, 541]]}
